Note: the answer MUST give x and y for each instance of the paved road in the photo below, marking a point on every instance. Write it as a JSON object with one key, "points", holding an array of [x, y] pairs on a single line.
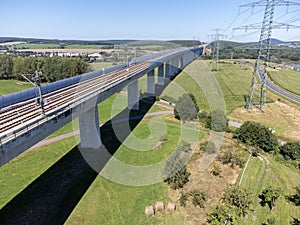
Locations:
{"points": [[279, 90]]}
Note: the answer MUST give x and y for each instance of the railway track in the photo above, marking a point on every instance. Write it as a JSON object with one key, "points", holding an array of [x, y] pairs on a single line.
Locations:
{"points": [[16, 115]]}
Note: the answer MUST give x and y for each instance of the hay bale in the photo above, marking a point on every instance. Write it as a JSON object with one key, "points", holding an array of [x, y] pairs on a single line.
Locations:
{"points": [[159, 207], [149, 211], [171, 207]]}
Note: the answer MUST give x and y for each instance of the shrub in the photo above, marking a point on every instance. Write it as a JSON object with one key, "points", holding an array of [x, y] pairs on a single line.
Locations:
{"points": [[256, 134], [216, 170], [176, 174], [290, 150]]}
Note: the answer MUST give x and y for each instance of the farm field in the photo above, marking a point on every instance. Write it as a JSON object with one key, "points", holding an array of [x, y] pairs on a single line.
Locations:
{"points": [[99, 65]]}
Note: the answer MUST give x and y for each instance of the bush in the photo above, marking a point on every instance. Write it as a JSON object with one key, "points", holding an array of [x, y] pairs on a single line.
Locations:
{"points": [[176, 174], [183, 199], [256, 134], [216, 170], [290, 150], [198, 198], [229, 157]]}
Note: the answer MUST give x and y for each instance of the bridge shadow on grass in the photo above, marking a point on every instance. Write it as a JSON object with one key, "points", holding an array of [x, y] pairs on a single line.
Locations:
{"points": [[51, 198]]}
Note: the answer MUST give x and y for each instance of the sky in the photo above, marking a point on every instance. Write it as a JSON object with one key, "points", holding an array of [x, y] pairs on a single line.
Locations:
{"points": [[137, 19]]}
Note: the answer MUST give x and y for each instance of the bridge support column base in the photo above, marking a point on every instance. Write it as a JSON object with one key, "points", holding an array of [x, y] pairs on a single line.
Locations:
{"points": [[133, 95], [90, 129]]}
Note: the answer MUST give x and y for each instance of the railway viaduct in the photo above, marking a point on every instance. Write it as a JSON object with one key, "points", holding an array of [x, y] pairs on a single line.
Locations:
{"points": [[23, 124]]}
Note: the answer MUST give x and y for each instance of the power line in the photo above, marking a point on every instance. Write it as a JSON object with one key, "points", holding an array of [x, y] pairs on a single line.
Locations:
{"points": [[257, 92]]}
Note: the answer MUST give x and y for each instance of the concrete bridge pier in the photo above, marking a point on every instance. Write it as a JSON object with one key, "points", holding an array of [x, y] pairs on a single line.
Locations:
{"points": [[181, 62], [150, 82], [161, 71], [133, 95], [176, 65], [90, 129], [168, 70]]}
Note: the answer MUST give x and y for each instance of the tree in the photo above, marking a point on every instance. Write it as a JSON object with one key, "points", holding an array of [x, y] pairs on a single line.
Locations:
{"points": [[256, 134], [268, 197], [186, 108], [290, 150], [6, 66], [217, 121], [240, 199], [221, 214]]}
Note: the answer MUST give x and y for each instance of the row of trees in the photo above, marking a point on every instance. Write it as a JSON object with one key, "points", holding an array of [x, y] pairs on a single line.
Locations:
{"points": [[50, 68]]}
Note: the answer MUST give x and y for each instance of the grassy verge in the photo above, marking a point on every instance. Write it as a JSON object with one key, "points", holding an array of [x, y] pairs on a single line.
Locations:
{"points": [[287, 79]]}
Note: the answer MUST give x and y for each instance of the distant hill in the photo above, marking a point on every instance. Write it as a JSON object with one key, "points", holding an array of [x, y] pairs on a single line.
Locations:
{"points": [[185, 43]]}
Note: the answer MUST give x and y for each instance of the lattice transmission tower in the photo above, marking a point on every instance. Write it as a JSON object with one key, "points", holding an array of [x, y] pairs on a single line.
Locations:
{"points": [[216, 50], [257, 92]]}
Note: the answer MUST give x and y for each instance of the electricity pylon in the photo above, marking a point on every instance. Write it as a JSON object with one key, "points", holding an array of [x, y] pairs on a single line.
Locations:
{"points": [[257, 92], [216, 51]]}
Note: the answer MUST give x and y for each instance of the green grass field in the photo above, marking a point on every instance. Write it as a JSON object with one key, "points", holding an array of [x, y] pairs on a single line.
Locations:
{"points": [[259, 176], [110, 203], [99, 65], [10, 86], [233, 80], [85, 46], [36, 46], [287, 79]]}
